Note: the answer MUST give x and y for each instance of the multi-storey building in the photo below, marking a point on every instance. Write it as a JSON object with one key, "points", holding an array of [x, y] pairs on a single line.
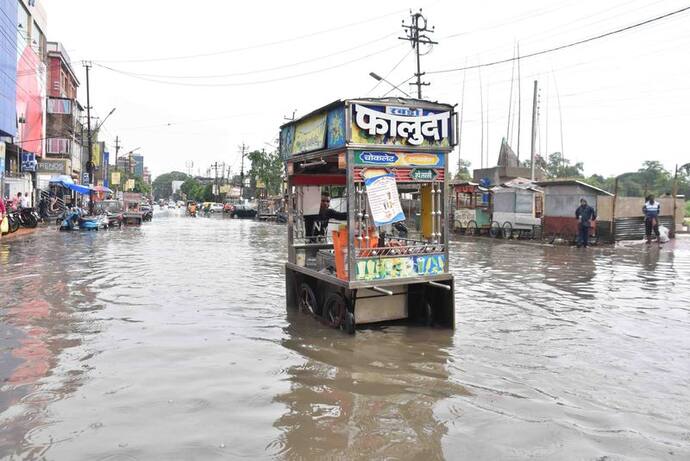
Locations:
{"points": [[64, 129]]}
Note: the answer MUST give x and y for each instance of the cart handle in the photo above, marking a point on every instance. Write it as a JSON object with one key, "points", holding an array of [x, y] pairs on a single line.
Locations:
{"points": [[381, 290], [440, 285]]}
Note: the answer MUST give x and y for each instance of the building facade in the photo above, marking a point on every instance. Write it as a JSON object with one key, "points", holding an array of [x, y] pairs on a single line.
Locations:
{"points": [[64, 129]]}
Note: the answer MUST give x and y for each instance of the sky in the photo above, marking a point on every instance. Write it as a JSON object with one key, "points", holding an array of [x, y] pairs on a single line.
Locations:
{"points": [[193, 81]]}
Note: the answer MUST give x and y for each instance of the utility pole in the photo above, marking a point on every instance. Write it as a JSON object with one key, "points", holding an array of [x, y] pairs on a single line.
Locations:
{"points": [[89, 164], [215, 180], [416, 36], [534, 130], [242, 172]]}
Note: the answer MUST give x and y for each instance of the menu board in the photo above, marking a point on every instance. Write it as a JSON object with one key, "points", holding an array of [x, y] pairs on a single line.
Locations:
{"points": [[384, 201]]}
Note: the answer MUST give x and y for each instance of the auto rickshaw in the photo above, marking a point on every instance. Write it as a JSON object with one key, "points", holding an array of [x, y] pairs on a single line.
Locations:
{"points": [[372, 267]]}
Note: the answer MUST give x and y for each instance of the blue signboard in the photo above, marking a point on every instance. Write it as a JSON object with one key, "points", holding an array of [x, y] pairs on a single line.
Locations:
{"points": [[85, 177], [29, 162]]}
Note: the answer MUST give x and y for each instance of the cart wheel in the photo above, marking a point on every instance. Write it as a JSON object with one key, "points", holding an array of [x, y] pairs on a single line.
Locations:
{"points": [[495, 229], [471, 228], [349, 323], [507, 230], [335, 311], [307, 300]]}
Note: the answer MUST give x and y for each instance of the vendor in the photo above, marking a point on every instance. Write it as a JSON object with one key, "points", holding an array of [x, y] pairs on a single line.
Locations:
{"points": [[315, 226]]}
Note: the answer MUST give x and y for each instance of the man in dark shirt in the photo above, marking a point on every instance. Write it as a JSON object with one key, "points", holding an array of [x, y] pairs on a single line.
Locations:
{"points": [[315, 226], [585, 214]]}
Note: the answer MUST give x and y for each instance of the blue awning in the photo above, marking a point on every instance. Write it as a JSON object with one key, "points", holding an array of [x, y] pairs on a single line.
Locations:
{"points": [[78, 188]]}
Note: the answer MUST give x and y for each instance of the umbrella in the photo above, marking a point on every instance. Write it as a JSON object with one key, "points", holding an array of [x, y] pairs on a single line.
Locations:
{"points": [[102, 189]]}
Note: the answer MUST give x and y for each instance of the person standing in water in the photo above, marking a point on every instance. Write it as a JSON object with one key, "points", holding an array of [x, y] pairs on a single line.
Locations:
{"points": [[585, 214], [651, 210]]}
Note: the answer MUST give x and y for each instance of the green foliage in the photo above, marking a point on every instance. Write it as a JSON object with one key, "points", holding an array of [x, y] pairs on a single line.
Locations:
{"points": [[267, 167], [687, 209], [192, 189], [464, 171], [162, 185], [560, 167]]}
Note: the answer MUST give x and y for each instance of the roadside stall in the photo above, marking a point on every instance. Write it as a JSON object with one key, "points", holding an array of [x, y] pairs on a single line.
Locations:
{"points": [[132, 215], [369, 269], [472, 208], [561, 199], [517, 209]]}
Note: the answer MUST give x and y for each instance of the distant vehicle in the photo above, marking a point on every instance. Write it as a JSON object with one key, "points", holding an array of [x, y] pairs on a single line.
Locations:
{"points": [[216, 208], [113, 209], [148, 212], [171, 205], [228, 208], [245, 209], [180, 204]]}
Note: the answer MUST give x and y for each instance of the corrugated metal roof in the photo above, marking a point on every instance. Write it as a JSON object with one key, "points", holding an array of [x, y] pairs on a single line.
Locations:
{"points": [[572, 182]]}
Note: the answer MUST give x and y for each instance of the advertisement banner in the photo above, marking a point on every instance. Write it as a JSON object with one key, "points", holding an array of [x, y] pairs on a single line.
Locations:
{"points": [[395, 268], [336, 128], [310, 134], [96, 154], [115, 178], [402, 159], [388, 125], [384, 201]]}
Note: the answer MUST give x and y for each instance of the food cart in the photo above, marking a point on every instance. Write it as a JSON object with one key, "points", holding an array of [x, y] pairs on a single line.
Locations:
{"points": [[472, 208], [369, 151], [517, 210], [132, 215]]}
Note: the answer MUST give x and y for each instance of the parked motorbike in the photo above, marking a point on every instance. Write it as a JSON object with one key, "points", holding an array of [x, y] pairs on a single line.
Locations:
{"points": [[27, 217]]}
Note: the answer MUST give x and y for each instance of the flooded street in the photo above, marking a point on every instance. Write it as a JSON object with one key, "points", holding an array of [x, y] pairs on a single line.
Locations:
{"points": [[172, 341]]}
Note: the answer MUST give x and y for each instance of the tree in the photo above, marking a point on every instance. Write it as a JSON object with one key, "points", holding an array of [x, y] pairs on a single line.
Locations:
{"points": [[162, 185], [464, 171], [559, 167], [192, 189], [267, 167]]}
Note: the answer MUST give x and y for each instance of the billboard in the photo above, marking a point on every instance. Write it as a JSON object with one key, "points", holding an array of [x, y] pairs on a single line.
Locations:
{"points": [[8, 64], [400, 126]]}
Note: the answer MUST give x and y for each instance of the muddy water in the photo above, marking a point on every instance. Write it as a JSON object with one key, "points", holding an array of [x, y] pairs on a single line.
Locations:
{"points": [[171, 341]]}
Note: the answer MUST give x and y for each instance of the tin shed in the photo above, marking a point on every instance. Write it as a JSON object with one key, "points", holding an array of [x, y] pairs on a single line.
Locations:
{"points": [[561, 199]]}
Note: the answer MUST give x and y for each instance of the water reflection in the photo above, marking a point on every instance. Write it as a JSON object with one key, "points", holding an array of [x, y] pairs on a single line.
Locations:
{"points": [[366, 396]]}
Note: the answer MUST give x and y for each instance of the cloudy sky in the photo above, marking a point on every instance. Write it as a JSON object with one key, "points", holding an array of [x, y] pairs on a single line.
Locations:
{"points": [[192, 81]]}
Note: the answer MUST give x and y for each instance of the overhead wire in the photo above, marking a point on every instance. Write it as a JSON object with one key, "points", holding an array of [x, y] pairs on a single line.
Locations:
{"points": [[568, 45], [252, 47]]}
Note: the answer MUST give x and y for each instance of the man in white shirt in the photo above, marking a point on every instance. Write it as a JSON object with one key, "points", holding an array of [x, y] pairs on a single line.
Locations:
{"points": [[24, 200]]}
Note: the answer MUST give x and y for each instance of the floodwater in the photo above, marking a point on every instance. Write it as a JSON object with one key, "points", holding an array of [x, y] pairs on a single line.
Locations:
{"points": [[172, 341]]}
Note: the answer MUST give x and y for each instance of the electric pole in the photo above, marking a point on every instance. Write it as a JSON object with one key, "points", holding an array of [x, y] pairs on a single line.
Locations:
{"points": [[89, 164], [416, 36], [242, 172], [534, 130]]}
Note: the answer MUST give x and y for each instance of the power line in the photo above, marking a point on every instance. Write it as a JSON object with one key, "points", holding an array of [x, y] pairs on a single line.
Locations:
{"points": [[256, 82], [252, 47], [569, 45], [266, 69]]}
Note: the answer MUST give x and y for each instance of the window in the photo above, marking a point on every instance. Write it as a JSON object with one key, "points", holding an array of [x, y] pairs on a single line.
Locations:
{"points": [[58, 146], [59, 106]]}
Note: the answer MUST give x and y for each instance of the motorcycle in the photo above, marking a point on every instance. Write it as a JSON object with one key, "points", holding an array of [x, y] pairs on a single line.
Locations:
{"points": [[74, 220], [27, 217]]}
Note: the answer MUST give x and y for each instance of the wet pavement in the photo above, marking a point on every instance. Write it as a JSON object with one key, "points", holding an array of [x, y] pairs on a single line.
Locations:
{"points": [[172, 341]]}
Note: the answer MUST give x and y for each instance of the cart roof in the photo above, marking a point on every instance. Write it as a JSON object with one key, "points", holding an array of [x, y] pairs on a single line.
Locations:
{"points": [[573, 182], [411, 102]]}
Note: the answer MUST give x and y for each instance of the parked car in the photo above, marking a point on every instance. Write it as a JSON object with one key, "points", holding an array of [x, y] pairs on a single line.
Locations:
{"points": [[216, 208]]}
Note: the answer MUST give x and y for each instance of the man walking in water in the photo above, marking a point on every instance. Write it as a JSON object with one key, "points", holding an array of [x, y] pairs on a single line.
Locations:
{"points": [[651, 210], [585, 214]]}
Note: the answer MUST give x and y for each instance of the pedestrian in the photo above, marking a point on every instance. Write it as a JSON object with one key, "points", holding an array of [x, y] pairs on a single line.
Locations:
{"points": [[585, 214], [651, 210], [3, 215], [24, 200], [17, 201]]}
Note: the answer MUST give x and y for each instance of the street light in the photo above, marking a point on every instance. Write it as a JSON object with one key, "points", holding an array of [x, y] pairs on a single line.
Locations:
{"points": [[378, 78], [106, 118]]}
